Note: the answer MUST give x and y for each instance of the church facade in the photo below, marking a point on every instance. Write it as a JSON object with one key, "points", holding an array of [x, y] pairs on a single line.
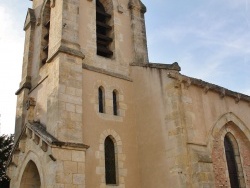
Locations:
{"points": [[93, 112]]}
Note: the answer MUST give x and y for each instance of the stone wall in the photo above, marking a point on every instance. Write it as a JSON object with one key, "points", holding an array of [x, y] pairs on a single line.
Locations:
{"points": [[180, 115], [161, 135], [121, 128], [61, 165], [169, 129]]}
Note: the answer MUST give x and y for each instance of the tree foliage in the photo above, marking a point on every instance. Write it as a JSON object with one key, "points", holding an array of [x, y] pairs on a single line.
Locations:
{"points": [[6, 144]]}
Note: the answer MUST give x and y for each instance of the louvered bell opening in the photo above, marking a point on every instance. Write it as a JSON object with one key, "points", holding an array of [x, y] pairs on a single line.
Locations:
{"points": [[102, 30], [46, 39]]}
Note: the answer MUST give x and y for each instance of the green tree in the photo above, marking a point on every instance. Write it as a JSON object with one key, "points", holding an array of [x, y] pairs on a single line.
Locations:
{"points": [[6, 144]]}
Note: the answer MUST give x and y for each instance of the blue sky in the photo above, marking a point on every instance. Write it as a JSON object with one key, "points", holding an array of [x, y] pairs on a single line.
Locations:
{"points": [[209, 39]]}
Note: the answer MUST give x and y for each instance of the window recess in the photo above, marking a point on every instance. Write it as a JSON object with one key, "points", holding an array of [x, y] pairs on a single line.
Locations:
{"points": [[103, 30], [45, 33]]}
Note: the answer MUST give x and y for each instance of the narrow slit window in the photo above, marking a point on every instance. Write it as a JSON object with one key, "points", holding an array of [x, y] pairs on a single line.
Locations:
{"points": [[231, 163], [110, 163], [101, 99], [115, 103], [103, 30]]}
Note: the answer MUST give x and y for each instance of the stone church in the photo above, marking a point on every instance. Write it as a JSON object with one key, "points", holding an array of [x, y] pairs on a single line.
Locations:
{"points": [[92, 112]]}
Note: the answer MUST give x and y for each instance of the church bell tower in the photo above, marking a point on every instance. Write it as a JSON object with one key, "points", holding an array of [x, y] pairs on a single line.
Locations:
{"points": [[75, 78]]}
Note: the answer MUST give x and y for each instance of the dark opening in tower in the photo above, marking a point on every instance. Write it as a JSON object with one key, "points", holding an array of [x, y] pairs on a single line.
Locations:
{"points": [[45, 32], [103, 31]]}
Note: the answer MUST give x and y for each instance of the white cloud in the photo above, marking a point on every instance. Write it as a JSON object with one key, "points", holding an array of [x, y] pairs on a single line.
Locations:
{"points": [[209, 42]]}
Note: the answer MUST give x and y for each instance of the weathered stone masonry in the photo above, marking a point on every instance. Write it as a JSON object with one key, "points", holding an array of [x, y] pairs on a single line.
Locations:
{"points": [[169, 129]]}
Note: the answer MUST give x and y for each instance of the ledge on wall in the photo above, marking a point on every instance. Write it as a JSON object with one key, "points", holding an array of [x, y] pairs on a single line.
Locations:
{"points": [[38, 133], [209, 87], [174, 66]]}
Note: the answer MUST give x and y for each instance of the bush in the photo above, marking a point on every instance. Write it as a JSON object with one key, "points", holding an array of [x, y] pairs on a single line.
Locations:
{"points": [[6, 144]]}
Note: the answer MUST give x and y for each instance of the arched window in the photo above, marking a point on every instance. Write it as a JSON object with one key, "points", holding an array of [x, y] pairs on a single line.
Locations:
{"points": [[103, 31], [110, 162], [115, 102], [233, 162], [45, 32], [101, 99]]}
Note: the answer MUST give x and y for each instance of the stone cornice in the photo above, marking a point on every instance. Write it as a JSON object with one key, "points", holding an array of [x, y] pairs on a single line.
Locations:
{"points": [[41, 131], [103, 71], [66, 50], [25, 84], [37, 82], [188, 81], [38, 133], [175, 66]]}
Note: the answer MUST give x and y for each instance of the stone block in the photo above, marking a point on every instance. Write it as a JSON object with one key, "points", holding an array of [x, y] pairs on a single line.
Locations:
{"points": [[78, 76], [97, 154], [70, 134], [64, 178], [78, 156], [58, 185], [119, 149], [62, 88], [70, 167], [123, 172], [205, 167], [76, 117], [70, 107], [102, 162], [60, 154], [121, 112], [62, 105], [120, 164], [70, 186], [80, 168], [101, 147], [79, 109], [76, 68], [79, 92], [70, 91], [70, 99], [78, 179], [121, 180], [123, 106]]}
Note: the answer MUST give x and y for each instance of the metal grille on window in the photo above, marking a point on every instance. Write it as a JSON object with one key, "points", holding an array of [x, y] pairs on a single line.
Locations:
{"points": [[231, 163], [102, 31], [115, 103], [110, 166], [101, 99]]}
